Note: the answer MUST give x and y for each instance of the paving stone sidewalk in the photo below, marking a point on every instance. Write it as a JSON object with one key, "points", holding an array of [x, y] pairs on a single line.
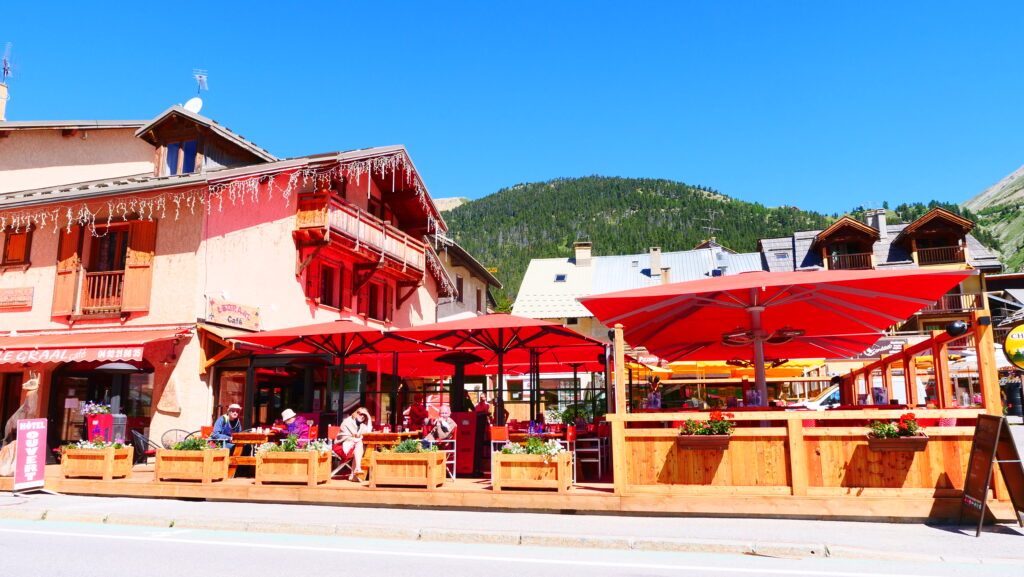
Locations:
{"points": [[999, 544]]}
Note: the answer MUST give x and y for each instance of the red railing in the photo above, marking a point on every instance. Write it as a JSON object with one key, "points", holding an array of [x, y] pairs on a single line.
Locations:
{"points": [[957, 303], [849, 261], [362, 227], [101, 292], [940, 255]]}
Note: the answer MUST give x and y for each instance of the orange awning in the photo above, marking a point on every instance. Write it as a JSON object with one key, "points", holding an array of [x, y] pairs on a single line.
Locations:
{"points": [[76, 346]]}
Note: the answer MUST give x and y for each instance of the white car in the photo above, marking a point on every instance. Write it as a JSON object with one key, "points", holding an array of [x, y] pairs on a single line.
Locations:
{"points": [[825, 400]]}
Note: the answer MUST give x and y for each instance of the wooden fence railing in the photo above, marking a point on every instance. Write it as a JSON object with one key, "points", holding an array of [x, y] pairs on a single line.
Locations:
{"points": [[101, 292], [799, 453], [940, 255]]}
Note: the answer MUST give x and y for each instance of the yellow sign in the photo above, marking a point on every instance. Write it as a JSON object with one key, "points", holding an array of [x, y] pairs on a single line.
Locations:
{"points": [[492, 269], [232, 314], [1013, 346]]}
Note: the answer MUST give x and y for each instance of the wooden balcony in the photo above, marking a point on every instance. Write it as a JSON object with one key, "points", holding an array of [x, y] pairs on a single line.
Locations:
{"points": [[940, 255], [101, 292], [860, 260], [319, 218], [957, 303]]}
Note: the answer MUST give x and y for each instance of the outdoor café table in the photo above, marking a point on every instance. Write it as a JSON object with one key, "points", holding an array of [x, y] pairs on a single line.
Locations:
{"points": [[247, 439]]}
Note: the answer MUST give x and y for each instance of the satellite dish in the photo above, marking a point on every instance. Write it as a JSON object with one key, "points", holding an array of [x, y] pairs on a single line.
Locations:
{"points": [[194, 104]]}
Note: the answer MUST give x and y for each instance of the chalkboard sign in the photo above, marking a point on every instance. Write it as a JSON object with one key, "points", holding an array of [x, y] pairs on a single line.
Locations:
{"points": [[993, 443]]}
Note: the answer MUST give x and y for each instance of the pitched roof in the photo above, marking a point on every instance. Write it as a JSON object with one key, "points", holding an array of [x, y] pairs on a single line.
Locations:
{"points": [[552, 285], [144, 132], [457, 253]]}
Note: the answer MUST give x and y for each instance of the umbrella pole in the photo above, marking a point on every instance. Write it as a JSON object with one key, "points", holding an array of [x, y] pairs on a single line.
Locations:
{"points": [[394, 391], [760, 379], [499, 402]]}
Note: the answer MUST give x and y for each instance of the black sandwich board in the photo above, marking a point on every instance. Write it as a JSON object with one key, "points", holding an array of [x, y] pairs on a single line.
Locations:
{"points": [[993, 443]]}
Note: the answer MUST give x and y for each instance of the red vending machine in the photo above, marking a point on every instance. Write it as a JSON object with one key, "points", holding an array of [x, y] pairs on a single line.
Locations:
{"points": [[100, 427], [466, 434]]}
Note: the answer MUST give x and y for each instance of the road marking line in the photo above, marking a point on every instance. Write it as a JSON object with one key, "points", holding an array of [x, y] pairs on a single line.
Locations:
{"points": [[541, 561]]}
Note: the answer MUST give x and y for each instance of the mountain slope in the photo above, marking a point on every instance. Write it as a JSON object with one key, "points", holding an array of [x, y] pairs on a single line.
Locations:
{"points": [[618, 215], [1000, 210]]}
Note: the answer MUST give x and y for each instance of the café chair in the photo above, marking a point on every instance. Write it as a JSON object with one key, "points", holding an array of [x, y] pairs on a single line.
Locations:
{"points": [[447, 447], [345, 461], [173, 436], [144, 448]]}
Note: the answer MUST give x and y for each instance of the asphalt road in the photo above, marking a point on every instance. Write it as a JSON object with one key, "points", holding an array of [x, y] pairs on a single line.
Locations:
{"points": [[85, 549]]}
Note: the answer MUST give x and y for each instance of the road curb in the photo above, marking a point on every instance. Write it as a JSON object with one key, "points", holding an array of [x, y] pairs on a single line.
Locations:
{"points": [[665, 544]]}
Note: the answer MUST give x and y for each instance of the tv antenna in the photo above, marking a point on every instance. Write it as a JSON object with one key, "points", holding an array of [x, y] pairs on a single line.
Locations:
{"points": [[710, 229], [202, 78], [6, 65]]}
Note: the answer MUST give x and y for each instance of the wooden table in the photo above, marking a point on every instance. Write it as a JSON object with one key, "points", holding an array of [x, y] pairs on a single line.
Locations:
{"points": [[248, 439]]}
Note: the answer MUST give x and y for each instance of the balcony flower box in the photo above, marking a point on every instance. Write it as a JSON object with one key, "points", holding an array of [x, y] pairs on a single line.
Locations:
{"points": [[524, 471], [205, 466], [425, 469], [704, 442], [915, 444], [105, 463]]}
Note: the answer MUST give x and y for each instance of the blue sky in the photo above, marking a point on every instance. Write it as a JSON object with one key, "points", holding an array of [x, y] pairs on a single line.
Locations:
{"points": [[821, 105]]}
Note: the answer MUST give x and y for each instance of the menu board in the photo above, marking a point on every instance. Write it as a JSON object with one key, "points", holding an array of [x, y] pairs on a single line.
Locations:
{"points": [[993, 443]]}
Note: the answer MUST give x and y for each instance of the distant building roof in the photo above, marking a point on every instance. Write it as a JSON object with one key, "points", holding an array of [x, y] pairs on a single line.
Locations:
{"points": [[69, 124], [552, 285], [463, 258]]}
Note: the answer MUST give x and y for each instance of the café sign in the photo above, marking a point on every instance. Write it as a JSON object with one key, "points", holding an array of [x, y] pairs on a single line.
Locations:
{"points": [[1013, 346], [231, 314], [17, 297]]}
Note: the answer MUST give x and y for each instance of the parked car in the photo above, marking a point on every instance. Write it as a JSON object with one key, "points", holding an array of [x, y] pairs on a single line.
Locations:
{"points": [[825, 400]]}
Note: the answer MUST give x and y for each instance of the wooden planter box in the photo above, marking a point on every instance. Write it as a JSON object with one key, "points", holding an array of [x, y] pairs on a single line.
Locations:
{"points": [[531, 472], [914, 444], [309, 467], [704, 442], [416, 469], [206, 466], [97, 463]]}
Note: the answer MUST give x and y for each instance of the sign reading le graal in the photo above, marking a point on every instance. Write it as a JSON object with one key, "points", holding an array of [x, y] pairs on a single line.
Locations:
{"points": [[231, 314], [16, 297]]}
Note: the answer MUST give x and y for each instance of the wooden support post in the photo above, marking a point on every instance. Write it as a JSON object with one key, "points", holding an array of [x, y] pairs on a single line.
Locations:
{"points": [[619, 425], [988, 373], [910, 378], [797, 456], [940, 364], [887, 381]]}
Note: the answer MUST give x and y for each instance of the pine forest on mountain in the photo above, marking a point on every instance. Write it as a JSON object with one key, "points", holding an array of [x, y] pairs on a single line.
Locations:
{"points": [[625, 216]]}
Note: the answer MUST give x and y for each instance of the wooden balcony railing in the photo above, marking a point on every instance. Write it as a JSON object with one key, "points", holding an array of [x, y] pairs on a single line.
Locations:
{"points": [[101, 292], [849, 261], [940, 255], [963, 302]]}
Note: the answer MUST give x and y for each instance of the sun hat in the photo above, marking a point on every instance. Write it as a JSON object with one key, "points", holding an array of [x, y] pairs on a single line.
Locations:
{"points": [[287, 414], [234, 406]]}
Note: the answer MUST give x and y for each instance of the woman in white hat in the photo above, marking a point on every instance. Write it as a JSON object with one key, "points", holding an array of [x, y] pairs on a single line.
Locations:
{"points": [[296, 426], [350, 439]]}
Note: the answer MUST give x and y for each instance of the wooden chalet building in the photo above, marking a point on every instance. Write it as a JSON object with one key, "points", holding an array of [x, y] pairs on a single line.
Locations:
{"points": [[149, 243]]}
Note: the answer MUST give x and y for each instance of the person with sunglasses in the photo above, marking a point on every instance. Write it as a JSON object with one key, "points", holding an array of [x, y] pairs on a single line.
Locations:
{"points": [[227, 424]]}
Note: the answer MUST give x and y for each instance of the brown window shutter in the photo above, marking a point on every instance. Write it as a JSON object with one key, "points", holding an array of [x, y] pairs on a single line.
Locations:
{"points": [[138, 268], [313, 273], [68, 264]]}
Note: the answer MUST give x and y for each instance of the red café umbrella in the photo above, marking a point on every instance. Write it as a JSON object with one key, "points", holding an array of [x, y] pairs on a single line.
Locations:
{"points": [[801, 314], [499, 334], [340, 338]]}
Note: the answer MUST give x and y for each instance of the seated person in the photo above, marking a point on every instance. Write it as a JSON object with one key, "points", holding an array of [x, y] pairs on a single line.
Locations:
{"points": [[350, 439], [227, 424], [443, 430], [416, 415], [294, 425]]}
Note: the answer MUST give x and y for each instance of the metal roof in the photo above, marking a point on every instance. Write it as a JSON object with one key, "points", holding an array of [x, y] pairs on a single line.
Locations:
{"points": [[552, 285]]}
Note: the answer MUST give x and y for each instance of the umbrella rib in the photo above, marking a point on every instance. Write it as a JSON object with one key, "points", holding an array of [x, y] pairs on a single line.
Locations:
{"points": [[833, 347], [878, 294], [650, 308]]}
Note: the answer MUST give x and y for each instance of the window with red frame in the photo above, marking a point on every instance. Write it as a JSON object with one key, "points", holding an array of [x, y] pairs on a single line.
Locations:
{"points": [[17, 247]]}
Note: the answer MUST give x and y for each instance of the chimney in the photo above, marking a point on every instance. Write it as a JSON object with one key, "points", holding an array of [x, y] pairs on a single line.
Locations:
{"points": [[582, 253], [655, 261], [3, 101], [665, 275], [876, 220]]}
